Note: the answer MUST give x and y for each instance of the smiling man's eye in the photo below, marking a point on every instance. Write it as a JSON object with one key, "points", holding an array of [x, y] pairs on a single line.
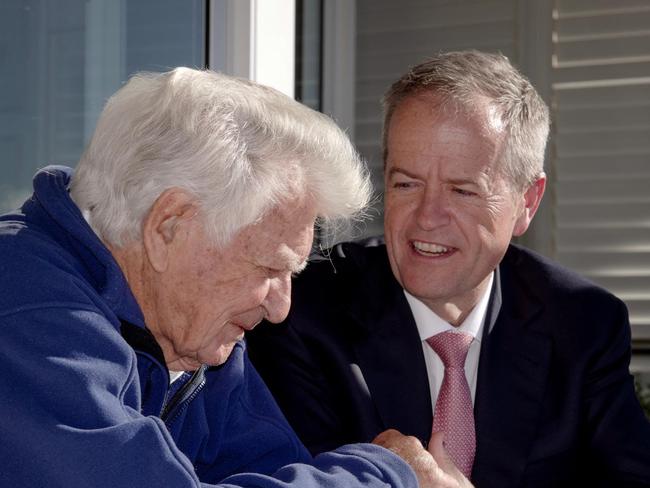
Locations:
{"points": [[463, 192], [402, 184]]}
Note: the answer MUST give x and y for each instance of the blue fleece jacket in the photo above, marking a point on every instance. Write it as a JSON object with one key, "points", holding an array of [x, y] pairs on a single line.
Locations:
{"points": [[84, 397]]}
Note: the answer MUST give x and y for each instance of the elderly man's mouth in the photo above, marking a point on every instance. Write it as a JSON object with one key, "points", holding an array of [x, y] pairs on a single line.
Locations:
{"points": [[247, 327]]}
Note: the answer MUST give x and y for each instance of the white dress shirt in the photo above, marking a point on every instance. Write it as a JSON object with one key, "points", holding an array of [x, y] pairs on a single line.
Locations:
{"points": [[174, 375], [428, 324]]}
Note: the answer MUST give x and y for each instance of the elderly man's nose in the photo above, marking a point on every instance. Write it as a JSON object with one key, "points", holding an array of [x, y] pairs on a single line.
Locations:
{"points": [[278, 299]]}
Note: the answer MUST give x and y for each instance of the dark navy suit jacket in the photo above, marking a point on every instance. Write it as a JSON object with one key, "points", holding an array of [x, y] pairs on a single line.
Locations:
{"points": [[555, 403]]}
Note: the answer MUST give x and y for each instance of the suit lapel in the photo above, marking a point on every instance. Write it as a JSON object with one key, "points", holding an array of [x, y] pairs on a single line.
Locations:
{"points": [[389, 352], [512, 378]]}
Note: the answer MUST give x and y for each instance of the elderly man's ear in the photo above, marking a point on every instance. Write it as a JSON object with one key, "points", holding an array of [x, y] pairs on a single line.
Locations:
{"points": [[167, 226], [532, 197]]}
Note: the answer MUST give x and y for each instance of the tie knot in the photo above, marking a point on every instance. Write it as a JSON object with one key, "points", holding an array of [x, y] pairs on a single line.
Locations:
{"points": [[452, 347]]}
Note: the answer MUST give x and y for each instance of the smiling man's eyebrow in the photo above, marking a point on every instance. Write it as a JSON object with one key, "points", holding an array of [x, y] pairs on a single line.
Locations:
{"points": [[395, 170], [480, 183], [463, 181]]}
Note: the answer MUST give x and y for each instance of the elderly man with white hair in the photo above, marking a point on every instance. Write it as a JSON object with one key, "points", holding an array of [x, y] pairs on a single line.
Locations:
{"points": [[127, 287]]}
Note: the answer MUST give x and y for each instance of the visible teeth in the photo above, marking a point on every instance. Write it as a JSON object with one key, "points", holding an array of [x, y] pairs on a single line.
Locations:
{"points": [[430, 248]]}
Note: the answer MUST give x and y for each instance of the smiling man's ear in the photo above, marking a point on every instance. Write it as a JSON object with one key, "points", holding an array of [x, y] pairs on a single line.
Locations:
{"points": [[532, 198], [166, 225]]}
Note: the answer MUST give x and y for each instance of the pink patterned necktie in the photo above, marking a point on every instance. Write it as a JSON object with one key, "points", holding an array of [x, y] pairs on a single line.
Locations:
{"points": [[454, 413]]}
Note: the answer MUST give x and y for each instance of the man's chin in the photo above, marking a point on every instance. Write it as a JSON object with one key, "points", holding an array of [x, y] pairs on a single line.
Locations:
{"points": [[208, 357], [220, 356]]}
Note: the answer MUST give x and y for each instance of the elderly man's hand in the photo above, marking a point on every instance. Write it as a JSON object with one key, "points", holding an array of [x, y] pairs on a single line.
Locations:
{"points": [[433, 468]]}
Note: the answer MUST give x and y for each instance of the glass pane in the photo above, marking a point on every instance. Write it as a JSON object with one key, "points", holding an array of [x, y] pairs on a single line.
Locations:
{"points": [[309, 15], [61, 60]]}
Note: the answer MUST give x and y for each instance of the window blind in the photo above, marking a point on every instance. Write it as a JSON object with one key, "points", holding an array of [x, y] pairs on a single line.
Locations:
{"points": [[601, 147]]}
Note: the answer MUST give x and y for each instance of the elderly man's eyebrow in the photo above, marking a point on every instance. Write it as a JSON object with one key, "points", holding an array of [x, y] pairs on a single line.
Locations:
{"points": [[292, 261], [299, 267]]}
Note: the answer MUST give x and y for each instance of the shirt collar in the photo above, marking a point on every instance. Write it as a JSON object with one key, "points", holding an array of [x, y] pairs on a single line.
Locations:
{"points": [[429, 323]]}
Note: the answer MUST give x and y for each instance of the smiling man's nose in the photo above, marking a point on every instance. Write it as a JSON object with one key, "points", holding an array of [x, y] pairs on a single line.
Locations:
{"points": [[432, 210], [278, 299]]}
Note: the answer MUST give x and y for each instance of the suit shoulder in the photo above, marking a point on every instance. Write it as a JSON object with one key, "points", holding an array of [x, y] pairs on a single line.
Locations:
{"points": [[582, 317], [345, 275], [345, 261], [552, 281]]}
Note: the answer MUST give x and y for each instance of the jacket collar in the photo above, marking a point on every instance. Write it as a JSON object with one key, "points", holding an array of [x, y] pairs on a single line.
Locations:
{"points": [[52, 202], [388, 346]]}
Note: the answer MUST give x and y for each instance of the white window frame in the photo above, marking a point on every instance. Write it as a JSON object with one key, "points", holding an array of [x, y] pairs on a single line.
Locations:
{"points": [[254, 39]]}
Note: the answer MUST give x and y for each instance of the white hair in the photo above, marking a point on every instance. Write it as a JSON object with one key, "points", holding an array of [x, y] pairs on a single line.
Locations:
{"points": [[464, 79], [239, 147]]}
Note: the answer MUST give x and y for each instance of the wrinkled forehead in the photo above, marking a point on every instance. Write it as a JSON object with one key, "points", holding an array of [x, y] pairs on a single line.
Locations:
{"points": [[296, 210], [480, 108], [428, 135], [428, 113]]}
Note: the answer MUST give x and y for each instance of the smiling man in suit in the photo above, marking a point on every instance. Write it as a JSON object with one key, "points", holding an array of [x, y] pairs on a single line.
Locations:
{"points": [[448, 326]]}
